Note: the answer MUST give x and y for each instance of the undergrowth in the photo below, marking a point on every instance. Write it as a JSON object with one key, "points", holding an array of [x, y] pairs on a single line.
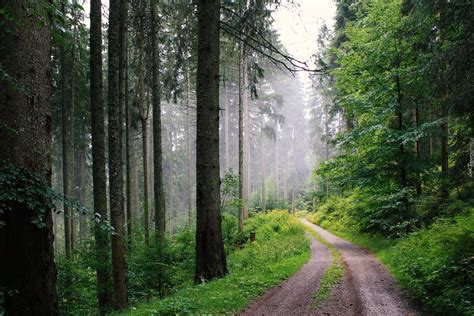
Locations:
{"points": [[434, 262], [279, 250]]}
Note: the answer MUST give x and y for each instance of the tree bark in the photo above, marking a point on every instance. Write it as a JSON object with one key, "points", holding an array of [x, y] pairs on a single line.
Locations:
{"points": [[277, 168], [67, 134], [144, 108], [189, 146], [115, 159], [80, 175], [27, 269], [99, 178], [243, 113], [123, 94], [160, 212], [226, 128], [210, 254], [262, 171]]}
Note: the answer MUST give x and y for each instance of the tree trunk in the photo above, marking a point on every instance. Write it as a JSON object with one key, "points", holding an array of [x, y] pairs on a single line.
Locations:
{"points": [[210, 254], [80, 186], [226, 128], [99, 178], [144, 114], [189, 146], [277, 168], [146, 216], [444, 114], [123, 94], [160, 212], [285, 180], [27, 269], [401, 158], [67, 132], [262, 171], [444, 151], [115, 159], [326, 132], [243, 135], [416, 115], [246, 153], [131, 169]]}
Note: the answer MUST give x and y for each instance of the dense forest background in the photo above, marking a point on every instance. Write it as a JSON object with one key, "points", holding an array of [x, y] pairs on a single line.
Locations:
{"points": [[157, 131]]}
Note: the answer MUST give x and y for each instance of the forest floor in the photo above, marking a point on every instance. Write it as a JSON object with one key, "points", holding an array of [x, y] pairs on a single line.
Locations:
{"points": [[365, 288]]}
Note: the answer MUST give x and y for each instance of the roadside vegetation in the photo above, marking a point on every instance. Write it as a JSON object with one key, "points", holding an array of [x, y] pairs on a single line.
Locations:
{"points": [[279, 250], [434, 262]]}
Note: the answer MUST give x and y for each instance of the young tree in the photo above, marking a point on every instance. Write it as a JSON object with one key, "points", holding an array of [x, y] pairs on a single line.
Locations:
{"points": [[210, 254], [27, 268], [115, 159]]}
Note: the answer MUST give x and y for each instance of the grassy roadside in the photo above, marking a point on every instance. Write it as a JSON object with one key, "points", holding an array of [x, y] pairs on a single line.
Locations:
{"points": [[279, 251], [433, 264], [334, 273]]}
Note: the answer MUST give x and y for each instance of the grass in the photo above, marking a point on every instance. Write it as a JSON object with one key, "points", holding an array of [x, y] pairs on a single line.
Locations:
{"points": [[279, 251], [434, 264], [333, 274]]}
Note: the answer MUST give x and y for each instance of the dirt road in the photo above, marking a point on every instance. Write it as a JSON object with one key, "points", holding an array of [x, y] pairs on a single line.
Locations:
{"points": [[367, 288]]}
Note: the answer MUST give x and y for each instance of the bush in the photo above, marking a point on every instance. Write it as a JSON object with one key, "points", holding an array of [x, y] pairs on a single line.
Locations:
{"points": [[432, 256], [437, 265], [279, 250]]}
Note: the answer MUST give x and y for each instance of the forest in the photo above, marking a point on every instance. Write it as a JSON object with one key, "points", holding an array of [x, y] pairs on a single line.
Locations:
{"points": [[184, 157]]}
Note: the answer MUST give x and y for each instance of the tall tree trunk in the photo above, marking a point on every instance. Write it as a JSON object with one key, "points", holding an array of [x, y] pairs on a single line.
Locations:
{"points": [[444, 113], [226, 128], [262, 171], [210, 255], [160, 212], [416, 114], [171, 206], [99, 178], [243, 181], [189, 146], [444, 150], [401, 159], [146, 216], [277, 168], [285, 180], [247, 187], [115, 159], [144, 108], [27, 269], [131, 175], [80, 188], [123, 94], [67, 99], [326, 142]]}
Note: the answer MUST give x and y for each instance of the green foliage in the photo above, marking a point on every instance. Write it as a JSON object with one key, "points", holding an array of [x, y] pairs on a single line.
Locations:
{"points": [[76, 282], [230, 193], [144, 264], [434, 263], [31, 189], [279, 250]]}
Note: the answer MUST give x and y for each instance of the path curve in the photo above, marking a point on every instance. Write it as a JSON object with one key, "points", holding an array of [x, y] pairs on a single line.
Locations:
{"points": [[367, 288], [295, 295]]}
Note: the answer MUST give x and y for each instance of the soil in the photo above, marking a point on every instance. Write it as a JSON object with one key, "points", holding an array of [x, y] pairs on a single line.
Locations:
{"points": [[367, 288]]}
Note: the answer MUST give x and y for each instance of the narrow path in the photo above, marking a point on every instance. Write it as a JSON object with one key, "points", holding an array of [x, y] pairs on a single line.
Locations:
{"points": [[295, 295], [367, 288]]}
